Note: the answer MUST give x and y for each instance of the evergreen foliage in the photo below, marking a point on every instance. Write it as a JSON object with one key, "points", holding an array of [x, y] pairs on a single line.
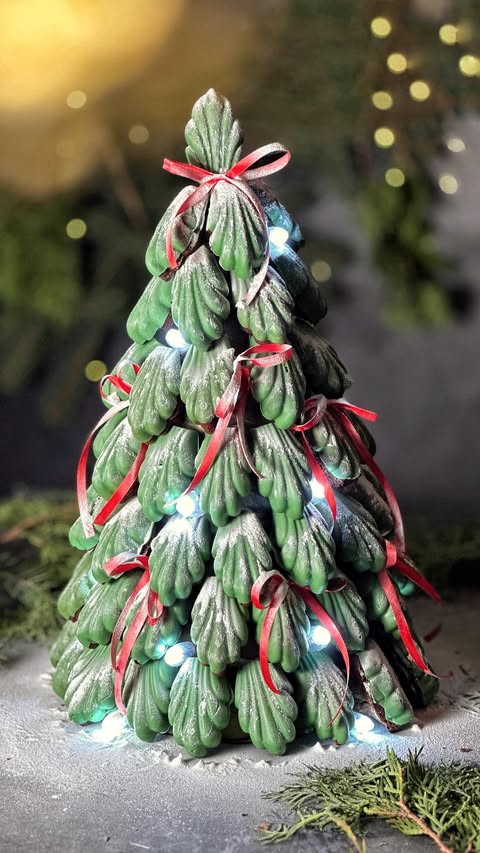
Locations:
{"points": [[441, 802]]}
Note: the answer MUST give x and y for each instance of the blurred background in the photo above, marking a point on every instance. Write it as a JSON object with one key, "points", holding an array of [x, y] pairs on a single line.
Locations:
{"points": [[378, 102]]}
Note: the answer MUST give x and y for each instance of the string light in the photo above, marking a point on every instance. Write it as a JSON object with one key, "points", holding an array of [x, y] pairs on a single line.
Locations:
{"points": [[138, 134], [321, 271], [186, 505], [178, 654], [448, 184], [419, 90], [395, 177], [175, 339], [384, 137], [278, 236], [76, 99], [448, 34], [455, 144], [317, 489], [320, 637], [397, 63], [363, 724], [112, 727], [380, 27], [382, 100], [76, 229], [94, 370], [469, 65]]}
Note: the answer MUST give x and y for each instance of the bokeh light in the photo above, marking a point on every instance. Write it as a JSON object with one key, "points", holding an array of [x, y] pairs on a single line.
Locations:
{"points": [[395, 177], [448, 34], [382, 100], [380, 27], [76, 99], [448, 184], [397, 63], [384, 137], [94, 370], [419, 90], [76, 229], [455, 144], [138, 134], [469, 65], [321, 270]]}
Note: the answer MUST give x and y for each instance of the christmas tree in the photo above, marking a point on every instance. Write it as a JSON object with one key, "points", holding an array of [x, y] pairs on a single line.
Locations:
{"points": [[245, 570]]}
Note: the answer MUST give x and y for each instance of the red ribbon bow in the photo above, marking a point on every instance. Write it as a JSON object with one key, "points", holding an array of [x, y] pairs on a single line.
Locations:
{"points": [[150, 610], [234, 400], [395, 552], [269, 591], [104, 514], [237, 176]]}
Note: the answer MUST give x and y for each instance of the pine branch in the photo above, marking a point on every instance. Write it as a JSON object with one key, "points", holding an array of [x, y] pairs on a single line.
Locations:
{"points": [[442, 803]]}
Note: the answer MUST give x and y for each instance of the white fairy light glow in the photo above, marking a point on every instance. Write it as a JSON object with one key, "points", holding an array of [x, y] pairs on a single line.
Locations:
{"points": [[363, 724], [186, 505], [175, 339], [159, 650], [320, 636], [179, 653], [317, 489], [278, 236], [111, 728]]}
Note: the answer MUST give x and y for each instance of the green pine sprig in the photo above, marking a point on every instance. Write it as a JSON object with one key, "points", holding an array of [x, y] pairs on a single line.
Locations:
{"points": [[441, 802]]}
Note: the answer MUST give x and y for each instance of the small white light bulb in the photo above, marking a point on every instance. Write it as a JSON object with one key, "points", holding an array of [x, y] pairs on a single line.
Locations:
{"points": [[175, 339], [363, 724], [320, 636], [317, 489], [278, 236], [179, 653], [159, 650], [186, 506], [112, 726]]}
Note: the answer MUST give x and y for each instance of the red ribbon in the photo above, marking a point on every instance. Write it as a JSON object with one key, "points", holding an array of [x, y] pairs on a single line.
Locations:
{"points": [[118, 382], [277, 589], [233, 401], [340, 407], [236, 176], [317, 405], [131, 476], [150, 610], [394, 561], [395, 552]]}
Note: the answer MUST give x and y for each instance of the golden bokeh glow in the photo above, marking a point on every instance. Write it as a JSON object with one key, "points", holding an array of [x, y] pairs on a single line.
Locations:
{"points": [[419, 90], [138, 134], [384, 137], [469, 65], [76, 99], [94, 370], [395, 177], [382, 100], [455, 144], [397, 63], [76, 229], [448, 184], [321, 270], [448, 33], [380, 27]]}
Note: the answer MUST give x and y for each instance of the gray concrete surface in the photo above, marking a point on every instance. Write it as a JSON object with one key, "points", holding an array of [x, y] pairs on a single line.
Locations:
{"points": [[64, 790]]}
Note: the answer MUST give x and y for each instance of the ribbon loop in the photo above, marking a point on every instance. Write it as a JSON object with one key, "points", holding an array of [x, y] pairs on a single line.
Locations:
{"points": [[150, 610], [124, 487], [268, 593], [237, 176], [233, 402]]}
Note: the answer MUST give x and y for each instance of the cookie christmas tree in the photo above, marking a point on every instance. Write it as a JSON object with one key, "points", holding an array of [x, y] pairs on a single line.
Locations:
{"points": [[245, 569]]}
